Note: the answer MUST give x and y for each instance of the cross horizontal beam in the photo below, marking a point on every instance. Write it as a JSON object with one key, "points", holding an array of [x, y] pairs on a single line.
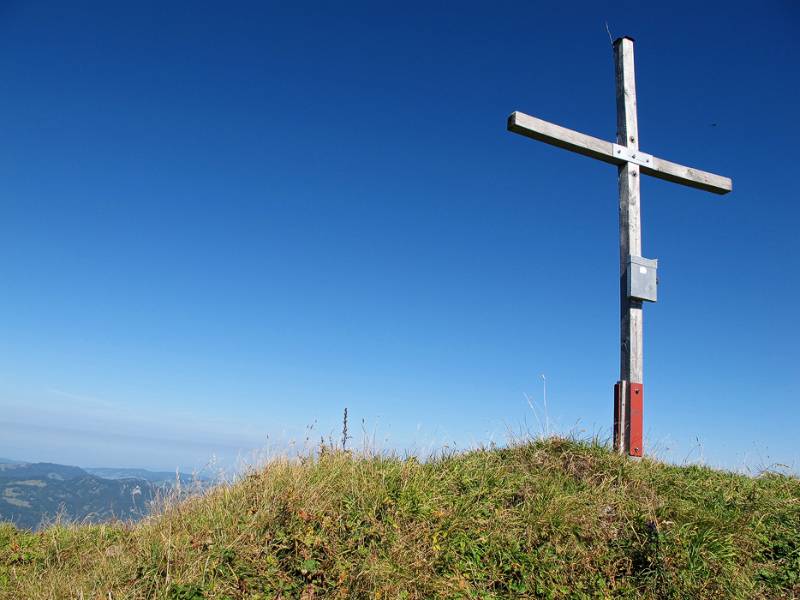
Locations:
{"points": [[587, 145]]}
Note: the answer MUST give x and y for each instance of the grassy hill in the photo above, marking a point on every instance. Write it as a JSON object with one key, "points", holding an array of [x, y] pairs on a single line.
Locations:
{"points": [[551, 519]]}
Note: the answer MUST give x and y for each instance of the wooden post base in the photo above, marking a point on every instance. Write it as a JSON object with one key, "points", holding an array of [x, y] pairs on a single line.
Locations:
{"points": [[628, 418]]}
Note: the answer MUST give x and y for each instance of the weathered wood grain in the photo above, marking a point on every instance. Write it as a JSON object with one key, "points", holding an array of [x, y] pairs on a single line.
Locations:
{"points": [[555, 135], [630, 228], [581, 143], [670, 171]]}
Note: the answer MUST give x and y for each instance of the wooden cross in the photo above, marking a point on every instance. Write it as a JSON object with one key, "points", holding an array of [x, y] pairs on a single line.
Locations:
{"points": [[637, 275]]}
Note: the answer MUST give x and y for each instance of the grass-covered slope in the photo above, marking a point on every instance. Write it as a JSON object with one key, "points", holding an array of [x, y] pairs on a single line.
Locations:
{"points": [[554, 519]]}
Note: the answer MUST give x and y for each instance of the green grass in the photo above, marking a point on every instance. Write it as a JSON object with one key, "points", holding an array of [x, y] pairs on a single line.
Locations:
{"points": [[547, 519]]}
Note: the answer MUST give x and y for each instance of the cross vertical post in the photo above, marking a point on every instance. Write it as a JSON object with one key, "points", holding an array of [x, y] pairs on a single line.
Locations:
{"points": [[630, 241]]}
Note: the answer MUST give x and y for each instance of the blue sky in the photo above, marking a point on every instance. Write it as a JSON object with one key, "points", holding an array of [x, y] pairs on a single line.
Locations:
{"points": [[221, 225]]}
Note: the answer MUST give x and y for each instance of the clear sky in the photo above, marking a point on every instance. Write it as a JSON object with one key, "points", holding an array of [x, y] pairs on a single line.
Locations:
{"points": [[223, 223]]}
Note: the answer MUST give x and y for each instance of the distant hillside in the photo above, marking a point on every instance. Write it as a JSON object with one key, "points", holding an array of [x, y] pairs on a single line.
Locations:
{"points": [[22, 470], [31, 493], [552, 519], [160, 477]]}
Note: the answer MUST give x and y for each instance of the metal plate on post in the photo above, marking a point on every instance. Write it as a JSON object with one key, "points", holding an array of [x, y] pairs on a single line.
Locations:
{"points": [[642, 276], [635, 413], [633, 156]]}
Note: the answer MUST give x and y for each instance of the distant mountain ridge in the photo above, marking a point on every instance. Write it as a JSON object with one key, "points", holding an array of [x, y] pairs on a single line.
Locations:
{"points": [[34, 493], [151, 476], [23, 470]]}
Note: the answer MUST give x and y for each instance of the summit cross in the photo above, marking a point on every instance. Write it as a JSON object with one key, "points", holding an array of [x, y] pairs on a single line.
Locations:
{"points": [[638, 282]]}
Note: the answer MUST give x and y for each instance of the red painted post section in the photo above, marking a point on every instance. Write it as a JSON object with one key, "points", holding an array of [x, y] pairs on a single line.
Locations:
{"points": [[636, 410]]}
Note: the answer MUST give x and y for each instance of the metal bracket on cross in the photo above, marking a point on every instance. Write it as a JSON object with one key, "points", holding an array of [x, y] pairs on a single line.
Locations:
{"points": [[631, 155]]}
